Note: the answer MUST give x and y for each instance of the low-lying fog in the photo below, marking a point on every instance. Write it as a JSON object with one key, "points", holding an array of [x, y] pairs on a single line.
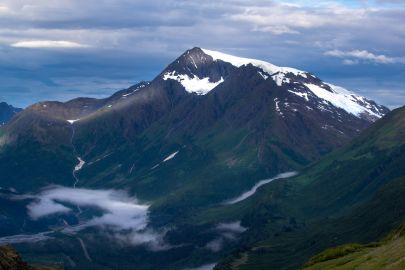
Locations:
{"points": [[123, 216]]}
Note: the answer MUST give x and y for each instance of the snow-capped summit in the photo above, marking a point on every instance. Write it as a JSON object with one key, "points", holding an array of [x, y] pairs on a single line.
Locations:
{"points": [[197, 71], [200, 71], [241, 61]]}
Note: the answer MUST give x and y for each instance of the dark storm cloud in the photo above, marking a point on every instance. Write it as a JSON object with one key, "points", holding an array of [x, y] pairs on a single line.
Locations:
{"points": [[59, 49]]}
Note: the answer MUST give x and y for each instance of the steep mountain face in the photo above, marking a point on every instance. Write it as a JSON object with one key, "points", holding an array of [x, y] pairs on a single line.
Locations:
{"points": [[335, 207], [206, 129], [36, 146], [7, 112], [200, 89], [279, 119]]}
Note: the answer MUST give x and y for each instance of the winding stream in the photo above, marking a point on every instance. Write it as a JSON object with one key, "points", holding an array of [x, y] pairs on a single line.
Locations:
{"points": [[81, 163], [77, 168]]}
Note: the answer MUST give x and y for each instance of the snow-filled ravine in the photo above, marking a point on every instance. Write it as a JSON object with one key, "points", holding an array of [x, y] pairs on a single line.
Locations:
{"points": [[193, 84], [166, 159]]}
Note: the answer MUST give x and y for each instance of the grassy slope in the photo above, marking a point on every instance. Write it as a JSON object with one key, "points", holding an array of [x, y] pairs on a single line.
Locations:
{"points": [[279, 214], [223, 157], [10, 260], [386, 254], [325, 205], [37, 153], [54, 166], [290, 246]]}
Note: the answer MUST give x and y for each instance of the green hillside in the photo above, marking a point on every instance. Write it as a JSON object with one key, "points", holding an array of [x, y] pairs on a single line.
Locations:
{"points": [[386, 254], [10, 260], [185, 155], [293, 219]]}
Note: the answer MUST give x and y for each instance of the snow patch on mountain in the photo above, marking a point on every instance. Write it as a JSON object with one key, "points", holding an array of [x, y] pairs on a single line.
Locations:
{"points": [[171, 156], [210, 266], [303, 95], [276, 101], [327, 93], [343, 98], [264, 76], [135, 90], [73, 121], [265, 66], [280, 79], [195, 84], [253, 190], [80, 165]]}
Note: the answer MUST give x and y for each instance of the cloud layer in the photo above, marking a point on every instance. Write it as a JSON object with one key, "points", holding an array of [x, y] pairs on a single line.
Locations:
{"points": [[227, 232], [354, 57], [47, 44], [67, 48], [122, 217]]}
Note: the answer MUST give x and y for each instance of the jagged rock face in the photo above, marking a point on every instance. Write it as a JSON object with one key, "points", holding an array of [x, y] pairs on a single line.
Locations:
{"points": [[208, 68], [197, 71]]}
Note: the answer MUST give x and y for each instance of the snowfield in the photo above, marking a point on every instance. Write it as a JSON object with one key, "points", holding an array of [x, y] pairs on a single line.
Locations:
{"points": [[193, 85]]}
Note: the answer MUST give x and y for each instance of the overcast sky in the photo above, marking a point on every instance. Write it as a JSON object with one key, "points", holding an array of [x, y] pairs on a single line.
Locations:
{"points": [[58, 50]]}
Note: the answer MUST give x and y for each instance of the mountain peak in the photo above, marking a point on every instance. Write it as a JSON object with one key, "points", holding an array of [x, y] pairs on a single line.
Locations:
{"points": [[241, 61], [200, 71]]}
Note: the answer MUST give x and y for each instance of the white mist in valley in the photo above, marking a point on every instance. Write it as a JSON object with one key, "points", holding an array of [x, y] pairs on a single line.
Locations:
{"points": [[227, 232], [122, 217]]}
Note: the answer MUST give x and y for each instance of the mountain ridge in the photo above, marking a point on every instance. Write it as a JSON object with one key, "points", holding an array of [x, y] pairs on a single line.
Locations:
{"points": [[302, 126], [7, 112], [335, 207], [202, 132]]}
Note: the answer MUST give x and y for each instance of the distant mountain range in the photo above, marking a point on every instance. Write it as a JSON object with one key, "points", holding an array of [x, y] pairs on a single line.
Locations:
{"points": [[205, 144], [7, 112]]}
